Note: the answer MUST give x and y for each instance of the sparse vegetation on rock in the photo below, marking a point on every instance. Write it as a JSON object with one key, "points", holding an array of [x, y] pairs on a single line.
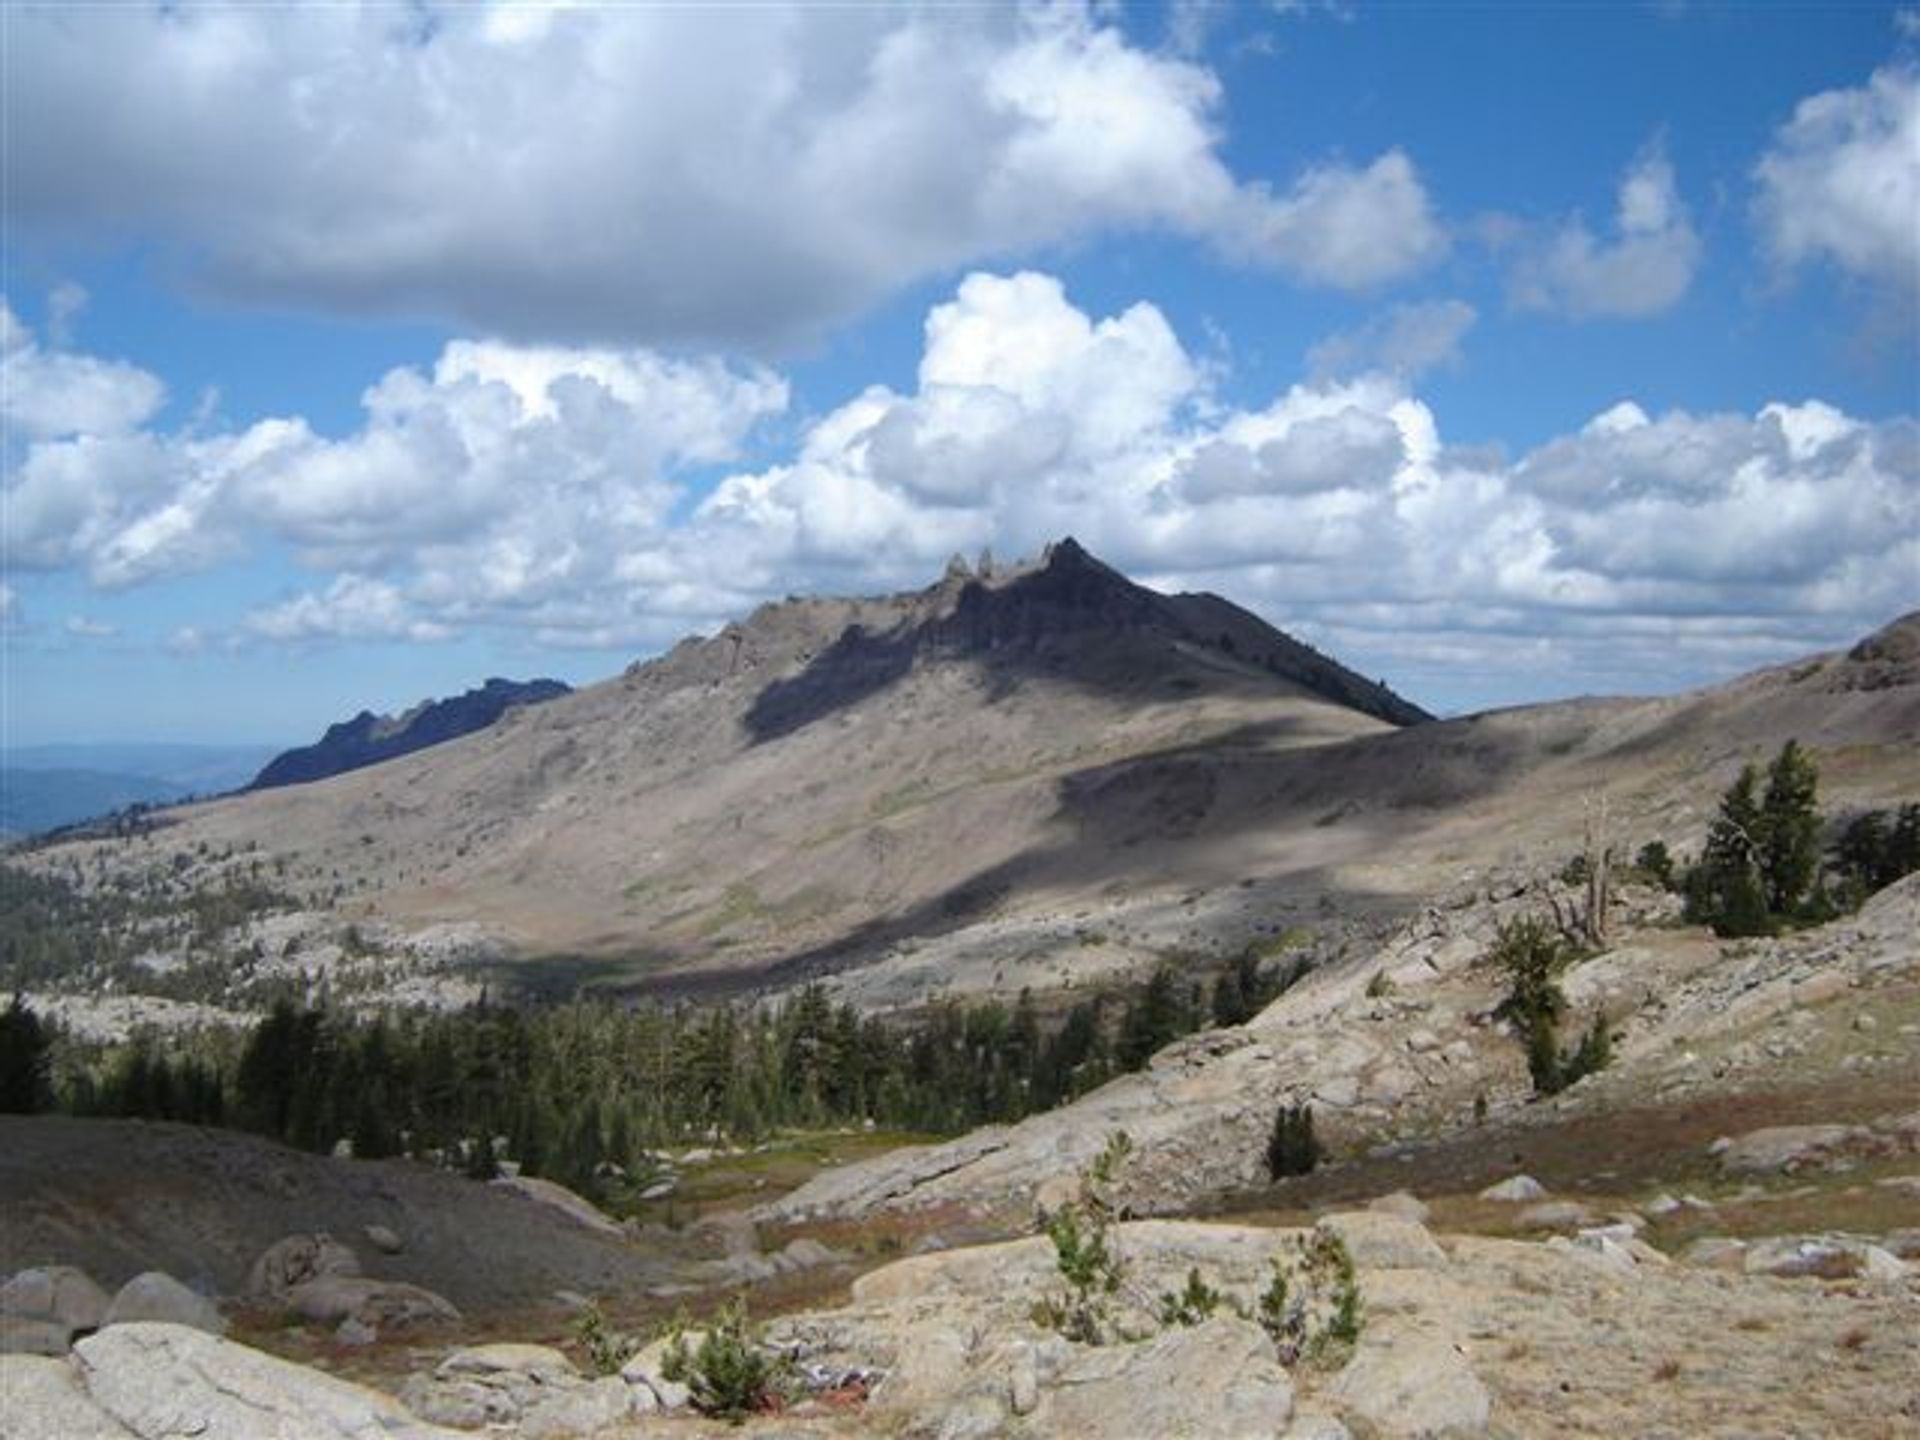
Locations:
{"points": [[727, 1372]]}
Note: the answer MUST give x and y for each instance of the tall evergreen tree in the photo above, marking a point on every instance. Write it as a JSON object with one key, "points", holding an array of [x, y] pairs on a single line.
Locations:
{"points": [[26, 1050], [1789, 830]]}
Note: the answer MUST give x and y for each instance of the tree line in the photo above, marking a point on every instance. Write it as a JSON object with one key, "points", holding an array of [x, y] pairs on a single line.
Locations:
{"points": [[587, 1093]]}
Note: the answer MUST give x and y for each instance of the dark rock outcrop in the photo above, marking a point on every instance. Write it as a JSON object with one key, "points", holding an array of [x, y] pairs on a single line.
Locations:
{"points": [[1072, 618], [367, 739]]}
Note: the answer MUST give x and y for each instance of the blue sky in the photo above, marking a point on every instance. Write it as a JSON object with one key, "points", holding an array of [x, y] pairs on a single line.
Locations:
{"points": [[353, 354]]}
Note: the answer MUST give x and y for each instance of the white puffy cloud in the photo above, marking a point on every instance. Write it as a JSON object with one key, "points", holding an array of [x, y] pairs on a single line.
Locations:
{"points": [[542, 491], [502, 478], [51, 393], [1841, 181], [1644, 269], [647, 173], [1408, 341], [353, 607], [1341, 226], [85, 627]]}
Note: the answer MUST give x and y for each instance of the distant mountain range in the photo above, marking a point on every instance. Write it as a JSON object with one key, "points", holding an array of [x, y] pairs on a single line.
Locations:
{"points": [[43, 787], [368, 739]]}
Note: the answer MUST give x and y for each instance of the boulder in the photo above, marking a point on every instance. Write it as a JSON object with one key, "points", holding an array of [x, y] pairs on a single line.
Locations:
{"points": [[59, 1293], [1222, 1378], [1384, 1242], [1412, 1386], [1516, 1190], [379, 1303], [24, 1335], [161, 1381], [1554, 1215], [561, 1202], [43, 1400], [806, 1253], [383, 1238], [1406, 1206], [643, 1372], [1783, 1149], [1716, 1252], [287, 1264], [533, 1388], [1795, 1257], [156, 1295]]}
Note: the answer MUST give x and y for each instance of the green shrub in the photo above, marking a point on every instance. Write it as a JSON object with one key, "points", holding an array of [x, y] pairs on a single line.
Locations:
{"points": [[607, 1349], [1192, 1305], [728, 1375], [1311, 1306], [1083, 1312]]}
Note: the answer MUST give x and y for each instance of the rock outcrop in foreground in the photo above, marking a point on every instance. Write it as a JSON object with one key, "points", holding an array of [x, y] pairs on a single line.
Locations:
{"points": [[1597, 1334]]}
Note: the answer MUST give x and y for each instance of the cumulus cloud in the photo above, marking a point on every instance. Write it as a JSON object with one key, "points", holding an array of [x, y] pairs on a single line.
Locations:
{"points": [[85, 627], [51, 393], [1644, 269], [1408, 341], [542, 491], [648, 173], [353, 607], [503, 477], [1841, 182]]}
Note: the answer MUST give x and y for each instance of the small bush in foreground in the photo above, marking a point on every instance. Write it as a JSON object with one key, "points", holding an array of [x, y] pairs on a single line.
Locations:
{"points": [[728, 1374]]}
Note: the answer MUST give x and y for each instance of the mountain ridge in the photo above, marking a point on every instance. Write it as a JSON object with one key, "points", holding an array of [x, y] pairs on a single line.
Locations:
{"points": [[368, 739]]}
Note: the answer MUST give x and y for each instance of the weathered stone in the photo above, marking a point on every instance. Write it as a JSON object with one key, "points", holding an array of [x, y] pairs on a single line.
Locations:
{"points": [[1310, 1425], [1517, 1189], [806, 1253], [170, 1380], [41, 1399], [62, 1293], [1406, 1206], [1793, 1257], [26, 1335], [1716, 1252], [561, 1201], [644, 1371], [1413, 1386], [1384, 1242], [384, 1239], [292, 1262], [1221, 1378], [383, 1304], [1554, 1215], [1783, 1149], [1023, 1381], [158, 1296]]}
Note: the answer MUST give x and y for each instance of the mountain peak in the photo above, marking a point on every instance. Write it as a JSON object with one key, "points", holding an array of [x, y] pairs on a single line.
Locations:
{"points": [[1068, 619]]}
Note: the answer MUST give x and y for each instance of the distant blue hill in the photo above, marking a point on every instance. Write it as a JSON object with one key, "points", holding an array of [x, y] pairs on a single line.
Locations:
{"points": [[368, 739], [195, 769], [35, 800]]}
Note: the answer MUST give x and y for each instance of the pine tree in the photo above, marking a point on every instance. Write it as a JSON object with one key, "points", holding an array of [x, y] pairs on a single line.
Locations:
{"points": [[25, 1061], [1788, 833]]}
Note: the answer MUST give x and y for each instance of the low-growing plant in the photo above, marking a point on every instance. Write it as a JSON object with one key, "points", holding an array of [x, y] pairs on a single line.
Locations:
{"points": [[1087, 1263], [1190, 1306], [727, 1375], [1311, 1306], [607, 1349]]}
